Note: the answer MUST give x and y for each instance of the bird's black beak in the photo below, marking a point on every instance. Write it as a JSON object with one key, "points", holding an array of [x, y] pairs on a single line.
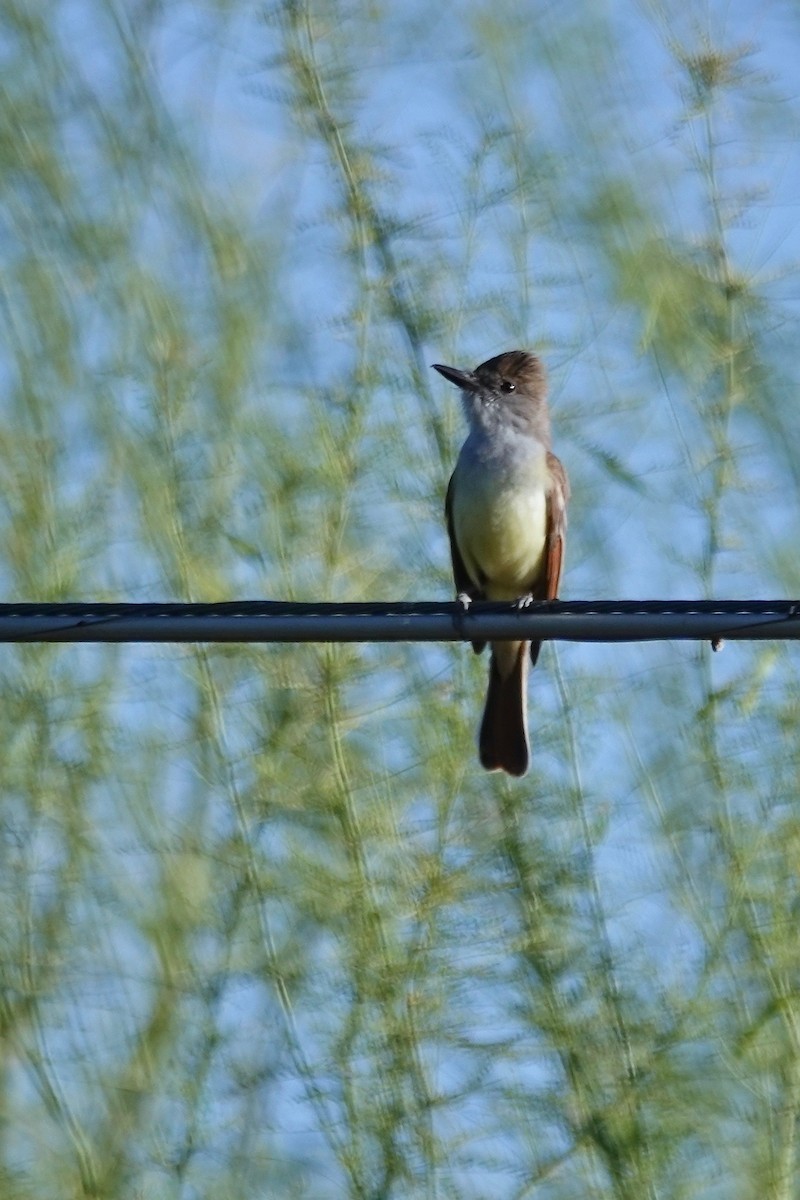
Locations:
{"points": [[462, 379]]}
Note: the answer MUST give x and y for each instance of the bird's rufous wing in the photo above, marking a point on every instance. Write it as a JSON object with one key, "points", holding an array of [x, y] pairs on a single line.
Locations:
{"points": [[557, 498]]}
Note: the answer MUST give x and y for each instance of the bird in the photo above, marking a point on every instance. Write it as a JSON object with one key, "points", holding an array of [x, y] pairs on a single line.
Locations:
{"points": [[506, 515]]}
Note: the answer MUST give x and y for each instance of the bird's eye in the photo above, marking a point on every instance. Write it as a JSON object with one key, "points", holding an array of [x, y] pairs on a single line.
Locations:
{"points": [[508, 386]]}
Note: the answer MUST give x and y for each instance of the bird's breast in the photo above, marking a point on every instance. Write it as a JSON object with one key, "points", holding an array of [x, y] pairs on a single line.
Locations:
{"points": [[500, 520]]}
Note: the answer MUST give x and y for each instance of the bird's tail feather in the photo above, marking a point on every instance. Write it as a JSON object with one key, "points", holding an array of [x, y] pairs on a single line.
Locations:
{"points": [[503, 741]]}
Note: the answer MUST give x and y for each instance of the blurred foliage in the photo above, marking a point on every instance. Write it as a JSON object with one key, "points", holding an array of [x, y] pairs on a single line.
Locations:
{"points": [[265, 927]]}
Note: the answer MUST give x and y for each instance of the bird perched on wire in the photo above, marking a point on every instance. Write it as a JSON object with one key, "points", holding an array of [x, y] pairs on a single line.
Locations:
{"points": [[506, 513]]}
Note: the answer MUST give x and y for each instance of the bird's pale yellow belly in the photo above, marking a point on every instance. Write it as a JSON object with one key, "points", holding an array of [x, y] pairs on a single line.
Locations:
{"points": [[500, 529]]}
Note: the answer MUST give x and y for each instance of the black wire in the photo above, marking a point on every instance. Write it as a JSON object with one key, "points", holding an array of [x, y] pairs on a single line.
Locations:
{"points": [[267, 621], [278, 608]]}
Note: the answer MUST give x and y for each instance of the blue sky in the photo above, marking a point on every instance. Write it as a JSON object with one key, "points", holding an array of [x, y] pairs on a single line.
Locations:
{"points": [[455, 108]]}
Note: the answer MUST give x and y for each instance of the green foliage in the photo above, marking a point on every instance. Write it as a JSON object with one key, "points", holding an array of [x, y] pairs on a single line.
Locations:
{"points": [[266, 929]]}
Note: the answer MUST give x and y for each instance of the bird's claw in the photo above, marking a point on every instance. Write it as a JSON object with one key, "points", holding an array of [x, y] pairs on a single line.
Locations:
{"points": [[463, 600]]}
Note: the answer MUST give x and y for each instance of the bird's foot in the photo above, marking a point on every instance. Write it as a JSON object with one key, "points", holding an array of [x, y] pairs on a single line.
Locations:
{"points": [[463, 600], [525, 601]]}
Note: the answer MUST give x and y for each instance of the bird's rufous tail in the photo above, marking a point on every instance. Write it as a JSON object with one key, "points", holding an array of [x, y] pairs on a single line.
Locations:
{"points": [[503, 741]]}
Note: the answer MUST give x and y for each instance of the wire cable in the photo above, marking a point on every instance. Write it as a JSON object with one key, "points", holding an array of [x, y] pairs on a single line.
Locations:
{"points": [[281, 621]]}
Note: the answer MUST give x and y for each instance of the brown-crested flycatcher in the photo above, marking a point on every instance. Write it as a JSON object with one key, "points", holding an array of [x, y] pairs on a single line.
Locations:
{"points": [[506, 514]]}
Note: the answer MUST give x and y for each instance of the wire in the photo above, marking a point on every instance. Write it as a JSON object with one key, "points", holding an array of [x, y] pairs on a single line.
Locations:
{"points": [[280, 621]]}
